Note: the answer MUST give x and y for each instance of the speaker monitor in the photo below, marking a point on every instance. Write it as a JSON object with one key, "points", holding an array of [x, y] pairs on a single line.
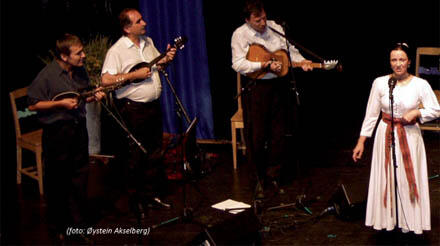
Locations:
{"points": [[345, 206], [239, 229]]}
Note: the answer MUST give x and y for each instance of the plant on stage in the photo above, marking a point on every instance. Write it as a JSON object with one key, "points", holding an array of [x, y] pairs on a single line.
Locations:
{"points": [[96, 49]]}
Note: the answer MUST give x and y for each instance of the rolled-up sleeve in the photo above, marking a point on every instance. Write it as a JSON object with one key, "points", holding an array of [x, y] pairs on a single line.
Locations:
{"points": [[239, 51]]}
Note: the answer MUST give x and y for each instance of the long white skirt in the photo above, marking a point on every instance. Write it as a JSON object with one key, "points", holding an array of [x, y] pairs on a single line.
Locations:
{"points": [[412, 216]]}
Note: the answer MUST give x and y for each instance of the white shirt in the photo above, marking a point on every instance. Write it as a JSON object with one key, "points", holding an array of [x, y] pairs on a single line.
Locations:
{"points": [[124, 55], [245, 35]]}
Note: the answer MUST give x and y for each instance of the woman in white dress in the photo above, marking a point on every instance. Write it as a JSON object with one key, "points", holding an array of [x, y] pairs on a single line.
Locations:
{"points": [[412, 177]]}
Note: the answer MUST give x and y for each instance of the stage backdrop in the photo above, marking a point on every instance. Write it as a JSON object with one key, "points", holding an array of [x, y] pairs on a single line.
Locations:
{"points": [[188, 72]]}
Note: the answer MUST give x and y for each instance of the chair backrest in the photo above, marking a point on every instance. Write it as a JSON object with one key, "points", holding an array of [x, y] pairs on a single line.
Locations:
{"points": [[239, 90], [14, 95], [427, 51], [20, 111], [430, 51]]}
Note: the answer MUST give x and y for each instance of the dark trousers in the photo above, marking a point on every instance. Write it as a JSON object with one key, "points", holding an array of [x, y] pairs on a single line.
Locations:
{"points": [[66, 158], [143, 172], [265, 113]]}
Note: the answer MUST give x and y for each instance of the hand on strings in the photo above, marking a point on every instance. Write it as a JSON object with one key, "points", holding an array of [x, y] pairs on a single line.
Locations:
{"points": [[274, 66], [170, 53], [69, 103], [142, 73], [99, 94], [306, 65]]}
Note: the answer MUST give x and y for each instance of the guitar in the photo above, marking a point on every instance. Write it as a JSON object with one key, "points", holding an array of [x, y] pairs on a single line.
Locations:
{"points": [[179, 43], [258, 53]]}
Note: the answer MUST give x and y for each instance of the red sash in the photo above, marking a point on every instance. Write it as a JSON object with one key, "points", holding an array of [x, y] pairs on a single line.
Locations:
{"points": [[403, 142]]}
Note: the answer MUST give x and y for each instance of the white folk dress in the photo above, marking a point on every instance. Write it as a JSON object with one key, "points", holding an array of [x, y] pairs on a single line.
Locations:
{"points": [[412, 216]]}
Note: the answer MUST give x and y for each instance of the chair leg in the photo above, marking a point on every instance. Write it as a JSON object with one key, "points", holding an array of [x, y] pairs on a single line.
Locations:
{"points": [[243, 141], [234, 144], [39, 170], [19, 164]]}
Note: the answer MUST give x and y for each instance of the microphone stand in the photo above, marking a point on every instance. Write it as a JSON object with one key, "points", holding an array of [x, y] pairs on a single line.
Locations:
{"points": [[139, 215], [294, 42], [293, 89], [392, 83], [187, 210], [292, 77], [122, 125], [180, 109]]}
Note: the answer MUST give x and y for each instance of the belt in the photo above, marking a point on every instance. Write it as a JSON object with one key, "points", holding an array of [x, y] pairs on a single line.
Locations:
{"points": [[128, 101]]}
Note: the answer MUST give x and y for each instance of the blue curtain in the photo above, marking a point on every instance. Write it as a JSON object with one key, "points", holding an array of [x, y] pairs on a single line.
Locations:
{"points": [[188, 73]]}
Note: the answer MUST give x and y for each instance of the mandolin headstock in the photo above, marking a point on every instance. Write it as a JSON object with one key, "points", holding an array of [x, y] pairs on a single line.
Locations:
{"points": [[179, 42]]}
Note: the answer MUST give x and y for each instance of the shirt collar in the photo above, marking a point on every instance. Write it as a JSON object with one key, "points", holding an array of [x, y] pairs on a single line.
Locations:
{"points": [[254, 33], [57, 68], [130, 43]]}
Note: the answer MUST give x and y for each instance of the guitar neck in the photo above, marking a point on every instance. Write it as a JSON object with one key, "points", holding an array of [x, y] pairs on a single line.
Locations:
{"points": [[105, 89], [155, 60], [314, 65], [148, 64]]}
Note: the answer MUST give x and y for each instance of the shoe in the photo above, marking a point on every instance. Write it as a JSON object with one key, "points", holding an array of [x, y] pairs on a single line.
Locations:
{"points": [[259, 193], [158, 203]]}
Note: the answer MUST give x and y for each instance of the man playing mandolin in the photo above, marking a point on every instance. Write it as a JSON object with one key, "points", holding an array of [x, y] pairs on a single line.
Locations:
{"points": [[65, 138], [265, 99], [139, 105]]}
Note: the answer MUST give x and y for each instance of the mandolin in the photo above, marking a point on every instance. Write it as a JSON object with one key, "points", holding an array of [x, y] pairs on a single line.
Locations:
{"points": [[179, 43], [258, 53]]}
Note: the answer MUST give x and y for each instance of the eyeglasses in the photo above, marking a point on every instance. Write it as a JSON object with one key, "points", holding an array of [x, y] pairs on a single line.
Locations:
{"points": [[403, 44]]}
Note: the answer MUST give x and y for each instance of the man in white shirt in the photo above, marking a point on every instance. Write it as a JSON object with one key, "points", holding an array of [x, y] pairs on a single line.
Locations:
{"points": [[265, 100], [139, 105]]}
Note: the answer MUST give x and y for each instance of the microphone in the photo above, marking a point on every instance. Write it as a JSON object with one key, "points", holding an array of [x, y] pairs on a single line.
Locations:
{"points": [[392, 82], [281, 22]]}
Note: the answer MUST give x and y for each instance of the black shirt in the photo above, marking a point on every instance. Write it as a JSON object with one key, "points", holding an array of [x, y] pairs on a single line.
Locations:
{"points": [[53, 80]]}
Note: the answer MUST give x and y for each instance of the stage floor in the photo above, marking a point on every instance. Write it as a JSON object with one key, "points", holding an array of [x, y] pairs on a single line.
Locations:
{"points": [[319, 180]]}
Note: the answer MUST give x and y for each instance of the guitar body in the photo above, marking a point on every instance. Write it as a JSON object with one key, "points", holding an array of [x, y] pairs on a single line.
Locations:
{"points": [[139, 66], [67, 94], [258, 53], [80, 94]]}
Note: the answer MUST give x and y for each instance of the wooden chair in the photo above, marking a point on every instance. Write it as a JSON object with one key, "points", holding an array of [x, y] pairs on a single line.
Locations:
{"points": [[30, 140], [237, 123], [429, 51]]}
